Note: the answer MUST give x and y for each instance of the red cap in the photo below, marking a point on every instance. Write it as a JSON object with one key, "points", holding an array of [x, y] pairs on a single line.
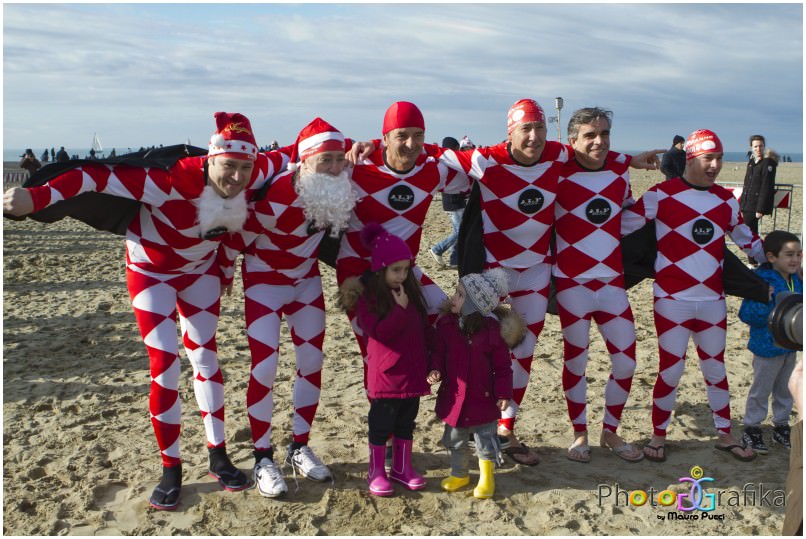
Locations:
{"points": [[316, 137], [524, 111], [401, 115], [702, 141], [233, 137]]}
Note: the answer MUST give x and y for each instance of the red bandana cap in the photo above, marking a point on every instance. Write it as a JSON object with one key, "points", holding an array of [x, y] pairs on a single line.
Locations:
{"points": [[702, 141], [316, 137], [402, 115], [233, 137], [386, 248], [524, 111]]}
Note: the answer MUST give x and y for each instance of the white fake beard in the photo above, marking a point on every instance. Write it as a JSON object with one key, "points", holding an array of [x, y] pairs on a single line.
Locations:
{"points": [[216, 211], [327, 201]]}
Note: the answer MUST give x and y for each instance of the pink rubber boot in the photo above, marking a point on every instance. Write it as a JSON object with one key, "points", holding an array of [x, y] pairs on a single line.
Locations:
{"points": [[402, 471], [379, 484]]}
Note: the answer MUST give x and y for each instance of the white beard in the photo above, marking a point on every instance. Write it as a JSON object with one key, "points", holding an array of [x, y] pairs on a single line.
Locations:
{"points": [[216, 211], [327, 201]]}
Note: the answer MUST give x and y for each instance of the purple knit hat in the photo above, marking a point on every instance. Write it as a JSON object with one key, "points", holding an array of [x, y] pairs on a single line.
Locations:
{"points": [[386, 248]]}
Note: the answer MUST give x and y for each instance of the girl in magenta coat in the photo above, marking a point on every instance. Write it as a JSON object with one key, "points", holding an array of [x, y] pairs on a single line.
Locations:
{"points": [[472, 360], [392, 315]]}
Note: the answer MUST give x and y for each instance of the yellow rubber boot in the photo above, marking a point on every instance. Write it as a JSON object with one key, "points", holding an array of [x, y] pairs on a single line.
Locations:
{"points": [[452, 484], [486, 486]]}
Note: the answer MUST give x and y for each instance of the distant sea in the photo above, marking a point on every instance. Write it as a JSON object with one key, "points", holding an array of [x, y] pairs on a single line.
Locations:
{"points": [[11, 154]]}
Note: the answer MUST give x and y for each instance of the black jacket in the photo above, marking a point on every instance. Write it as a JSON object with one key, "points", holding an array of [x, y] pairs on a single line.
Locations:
{"points": [[673, 163], [758, 193]]}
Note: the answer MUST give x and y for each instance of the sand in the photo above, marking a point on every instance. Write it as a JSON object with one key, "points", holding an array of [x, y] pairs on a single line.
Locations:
{"points": [[80, 457]]}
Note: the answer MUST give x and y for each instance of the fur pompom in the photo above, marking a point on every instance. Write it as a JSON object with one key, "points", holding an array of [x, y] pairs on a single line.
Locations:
{"points": [[349, 292], [292, 166], [369, 233], [513, 326], [498, 278]]}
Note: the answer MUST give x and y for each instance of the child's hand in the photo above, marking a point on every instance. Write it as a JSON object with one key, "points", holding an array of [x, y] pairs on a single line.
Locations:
{"points": [[434, 377], [771, 292], [400, 297], [503, 404]]}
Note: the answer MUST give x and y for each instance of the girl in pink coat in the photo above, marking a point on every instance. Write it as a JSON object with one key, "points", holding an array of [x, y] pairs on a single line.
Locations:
{"points": [[471, 359], [392, 315]]}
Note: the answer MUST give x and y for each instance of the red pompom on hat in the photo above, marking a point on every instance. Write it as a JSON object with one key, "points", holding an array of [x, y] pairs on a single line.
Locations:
{"points": [[524, 111], [233, 137], [702, 141], [402, 115], [316, 137], [386, 248]]}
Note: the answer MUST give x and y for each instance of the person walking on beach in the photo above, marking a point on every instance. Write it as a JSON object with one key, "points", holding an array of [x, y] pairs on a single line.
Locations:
{"points": [[589, 276], [454, 206], [62, 156], [758, 192], [171, 270], [393, 317], [281, 278], [471, 360], [772, 365], [673, 162], [692, 216]]}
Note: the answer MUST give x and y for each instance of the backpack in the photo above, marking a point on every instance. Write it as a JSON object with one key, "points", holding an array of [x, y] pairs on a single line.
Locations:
{"points": [[100, 210]]}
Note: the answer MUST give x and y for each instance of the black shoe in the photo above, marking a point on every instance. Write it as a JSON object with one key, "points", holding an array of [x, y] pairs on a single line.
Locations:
{"points": [[166, 495], [753, 438], [229, 477], [780, 435]]}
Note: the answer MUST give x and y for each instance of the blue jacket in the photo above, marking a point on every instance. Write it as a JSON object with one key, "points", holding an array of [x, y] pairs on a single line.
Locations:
{"points": [[755, 314]]}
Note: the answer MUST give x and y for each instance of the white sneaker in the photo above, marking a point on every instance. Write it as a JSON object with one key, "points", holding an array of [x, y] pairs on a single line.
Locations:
{"points": [[437, 257], [308, 464], [269, 481]]}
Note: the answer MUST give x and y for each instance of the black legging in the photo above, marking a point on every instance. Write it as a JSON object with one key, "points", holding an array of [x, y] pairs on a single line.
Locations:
{"points": [[392, 416]]}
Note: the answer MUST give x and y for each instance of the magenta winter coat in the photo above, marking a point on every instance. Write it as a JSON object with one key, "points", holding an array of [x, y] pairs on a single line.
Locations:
{"points": [[397, 353], [476, 372]]}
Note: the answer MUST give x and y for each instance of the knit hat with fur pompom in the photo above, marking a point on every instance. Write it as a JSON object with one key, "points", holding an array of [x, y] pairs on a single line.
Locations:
{"points": [[483, 292]]}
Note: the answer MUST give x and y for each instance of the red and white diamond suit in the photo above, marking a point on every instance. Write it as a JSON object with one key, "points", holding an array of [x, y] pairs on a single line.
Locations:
{"points": [[170, 269], [399, 202], [690, 227], [589, 280], [281, 278], [517, 206]]}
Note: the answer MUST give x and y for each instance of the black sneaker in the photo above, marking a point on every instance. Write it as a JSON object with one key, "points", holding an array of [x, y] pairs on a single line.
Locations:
{"points": [[780, 435], [753, 438]]}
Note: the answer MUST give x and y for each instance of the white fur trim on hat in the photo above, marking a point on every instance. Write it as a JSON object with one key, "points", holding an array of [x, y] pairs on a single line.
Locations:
{"points": [[319, 138], [219, 145]]}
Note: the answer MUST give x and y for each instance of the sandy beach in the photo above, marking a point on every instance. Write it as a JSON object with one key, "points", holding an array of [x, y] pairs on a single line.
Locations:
{"points": [[80, 458]]}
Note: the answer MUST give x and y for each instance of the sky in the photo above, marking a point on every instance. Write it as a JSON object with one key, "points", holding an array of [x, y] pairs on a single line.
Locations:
{"points": [[150, 74]]}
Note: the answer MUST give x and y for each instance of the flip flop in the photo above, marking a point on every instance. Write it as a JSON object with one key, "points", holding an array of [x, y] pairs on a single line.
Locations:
{"points": [[655, 458], [623, 450], [515, 451], [579, 453], [731, 447]]}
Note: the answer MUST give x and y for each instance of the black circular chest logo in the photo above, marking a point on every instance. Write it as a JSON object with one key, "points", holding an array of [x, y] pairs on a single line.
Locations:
{"points": [[598, 211], [702, 231], [401, 197], [531, 201]]}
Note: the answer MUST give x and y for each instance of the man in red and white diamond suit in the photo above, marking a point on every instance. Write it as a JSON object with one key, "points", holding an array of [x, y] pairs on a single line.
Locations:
{"points": [[692, 216], [281, 278], [170, 270], [588, 274], [395, 185]]}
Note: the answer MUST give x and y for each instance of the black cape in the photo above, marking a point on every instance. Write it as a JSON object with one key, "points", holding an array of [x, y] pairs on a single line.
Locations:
{"points": [[100, 210]]}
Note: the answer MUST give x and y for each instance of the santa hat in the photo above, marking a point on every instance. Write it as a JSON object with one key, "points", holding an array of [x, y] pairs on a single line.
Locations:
{"points": [[702, 141], [316, 137], [524, 111], [233, 137], [401, 115], [483, 291], [386, 248]]}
